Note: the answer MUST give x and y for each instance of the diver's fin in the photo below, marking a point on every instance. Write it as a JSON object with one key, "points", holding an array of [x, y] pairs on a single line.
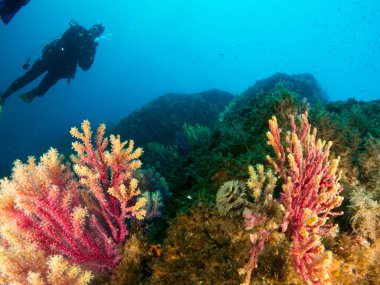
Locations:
{"points": [[6, 18]]}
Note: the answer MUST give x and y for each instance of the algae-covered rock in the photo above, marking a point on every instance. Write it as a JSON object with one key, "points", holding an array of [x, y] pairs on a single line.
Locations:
{"points": [[160, 120]]}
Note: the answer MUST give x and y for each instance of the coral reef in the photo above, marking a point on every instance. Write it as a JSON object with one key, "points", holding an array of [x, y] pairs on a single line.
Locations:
{"points": [[100, 219], [310, 192], [239, 141]]}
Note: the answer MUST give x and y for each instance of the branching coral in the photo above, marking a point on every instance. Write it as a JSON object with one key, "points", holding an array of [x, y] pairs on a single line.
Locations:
{"points": [[310, 194], [60, 272], [264, 215], [43, 200], [155, 190], [107, 179], [78, 215], [23, 263]]}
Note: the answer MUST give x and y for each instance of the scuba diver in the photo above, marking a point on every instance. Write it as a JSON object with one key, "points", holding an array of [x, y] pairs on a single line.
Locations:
{"points": [[9, 8], [59, 59]]}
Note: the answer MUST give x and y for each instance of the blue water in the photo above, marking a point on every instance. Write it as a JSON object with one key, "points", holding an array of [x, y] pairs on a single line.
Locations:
{"points": [[153, 47]]}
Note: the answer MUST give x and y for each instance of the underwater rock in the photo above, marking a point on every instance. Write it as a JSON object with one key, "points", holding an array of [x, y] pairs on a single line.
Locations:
{"points": [[160, 120], [304, 84]]}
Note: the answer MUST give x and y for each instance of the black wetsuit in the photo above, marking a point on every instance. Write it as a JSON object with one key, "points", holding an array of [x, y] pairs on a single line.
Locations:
{"points": [[59, 59]]}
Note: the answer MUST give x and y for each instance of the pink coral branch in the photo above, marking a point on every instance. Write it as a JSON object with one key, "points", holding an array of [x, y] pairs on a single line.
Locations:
{"points": [[57, 236], [258, 242], [46, 202], [310, 193]]}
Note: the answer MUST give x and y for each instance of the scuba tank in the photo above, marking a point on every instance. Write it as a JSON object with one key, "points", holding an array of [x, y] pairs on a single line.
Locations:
{"points": [[49, 46]]}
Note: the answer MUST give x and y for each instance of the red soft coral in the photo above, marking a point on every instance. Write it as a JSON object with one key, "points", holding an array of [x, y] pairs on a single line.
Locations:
{"points": [[80, 215], [310, 194]]}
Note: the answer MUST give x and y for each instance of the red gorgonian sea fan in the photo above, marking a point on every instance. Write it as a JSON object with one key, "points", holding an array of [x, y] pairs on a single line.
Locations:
{"points": [[78, 214], [310, 194]]}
